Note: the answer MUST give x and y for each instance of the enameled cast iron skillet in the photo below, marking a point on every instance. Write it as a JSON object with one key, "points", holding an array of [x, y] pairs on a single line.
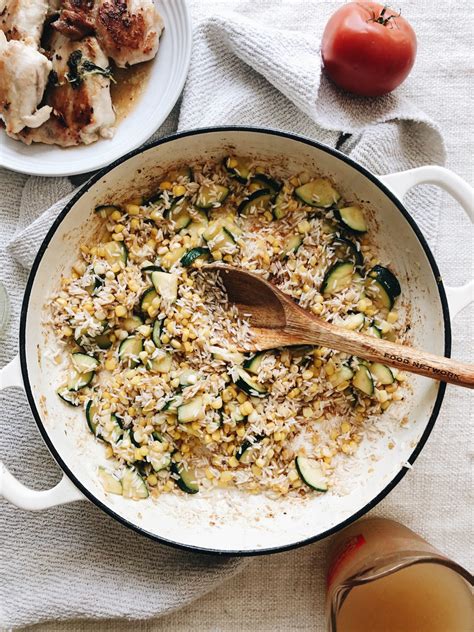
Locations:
{"points": [[227, 521]]}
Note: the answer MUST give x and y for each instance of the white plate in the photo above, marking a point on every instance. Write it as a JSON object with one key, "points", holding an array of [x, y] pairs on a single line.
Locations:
{"points": [[166, 81]]}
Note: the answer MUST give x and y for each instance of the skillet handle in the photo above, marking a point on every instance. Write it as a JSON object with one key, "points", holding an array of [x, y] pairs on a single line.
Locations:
{"points": [[10, 488], [399, 183]]}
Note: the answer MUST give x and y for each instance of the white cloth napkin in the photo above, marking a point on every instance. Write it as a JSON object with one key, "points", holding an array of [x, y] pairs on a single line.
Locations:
{"points": [[257, 64]]}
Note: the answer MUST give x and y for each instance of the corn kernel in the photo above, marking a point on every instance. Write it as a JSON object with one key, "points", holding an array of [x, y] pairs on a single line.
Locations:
{"points": [[293, 475], [241, 398], [256, 471], [307, 412], [152, 480], [317, 308], [392, 317], [233, 462], [165, 185], [294, 393], [132, 209], [165, 339], [225, 477], [246, 408], [304, 227], [109, 452], [120, 311], [67, 331], [240, 431], [179, 190], [117, 237], [116, 216], [216, 403], [209, 473], [188, 347], [345, 427], [110, 364]]}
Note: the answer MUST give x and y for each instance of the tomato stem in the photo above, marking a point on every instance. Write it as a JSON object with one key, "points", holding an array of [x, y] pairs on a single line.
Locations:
{"points": [[381, 19]]}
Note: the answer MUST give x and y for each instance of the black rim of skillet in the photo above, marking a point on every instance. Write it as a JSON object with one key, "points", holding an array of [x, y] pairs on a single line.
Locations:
{"points": [[197, 549]]}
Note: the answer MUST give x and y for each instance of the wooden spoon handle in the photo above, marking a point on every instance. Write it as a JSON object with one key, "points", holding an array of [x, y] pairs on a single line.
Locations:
{"points": [[389, 353]]}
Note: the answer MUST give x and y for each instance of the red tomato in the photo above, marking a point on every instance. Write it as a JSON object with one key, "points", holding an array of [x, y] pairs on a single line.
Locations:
{"points": [[367, 48]]}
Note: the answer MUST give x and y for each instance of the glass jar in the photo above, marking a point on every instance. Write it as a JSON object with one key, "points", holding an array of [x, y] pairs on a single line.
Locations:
{"points": [[383, 576]]}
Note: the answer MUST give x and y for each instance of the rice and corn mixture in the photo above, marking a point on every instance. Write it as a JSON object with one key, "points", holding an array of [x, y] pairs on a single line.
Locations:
{"points": [[154, 343]]}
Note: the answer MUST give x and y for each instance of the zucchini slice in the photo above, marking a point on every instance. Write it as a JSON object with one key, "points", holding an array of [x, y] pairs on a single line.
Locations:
{"points": [[194, 254], [160, 364], [133, 485], [152, 268], [132, 322], [188, 377], [354, 322], [187, 480], [292, 245], [105, 210], [91, 411], [343, 374], [351, 218], [240, 169], [234, 357], [211, 195], [345, 249], [191, 410], [318, 193], [245, 452], [129, 350], [382, 286], [382, 373], [156, 333], [166, 284], [160, 463], [173, 404], [67, 396], [84, 363], [103, 341], [247, 384], [220, 236], [172, 257], [113, 433], [147, 299], [311, 473], [337, 278], [110, 483], [266, 182], [374, 331], [115, 251], [259, 200], [80, 380], [280, 208], [363, 381], [179, 214], [253, 364]]}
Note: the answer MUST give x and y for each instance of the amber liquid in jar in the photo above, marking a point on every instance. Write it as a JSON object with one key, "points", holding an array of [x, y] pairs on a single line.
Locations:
{"points": [[383, 577], [422, 598]]}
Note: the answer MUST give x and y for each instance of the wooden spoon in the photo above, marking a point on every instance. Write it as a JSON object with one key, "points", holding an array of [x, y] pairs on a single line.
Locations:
{"points": [[277, 321]]}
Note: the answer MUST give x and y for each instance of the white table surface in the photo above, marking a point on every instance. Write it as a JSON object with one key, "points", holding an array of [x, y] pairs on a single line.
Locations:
{"points": [[286, 592]]}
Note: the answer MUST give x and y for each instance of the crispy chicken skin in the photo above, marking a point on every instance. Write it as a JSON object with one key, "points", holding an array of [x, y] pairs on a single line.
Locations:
{"points": [[128, 30], [81, 102], [23, 20], [23, 77]]}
